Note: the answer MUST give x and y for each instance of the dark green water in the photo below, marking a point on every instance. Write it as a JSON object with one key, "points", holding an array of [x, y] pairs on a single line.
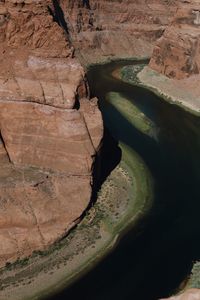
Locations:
{"points": [[154, 261]]}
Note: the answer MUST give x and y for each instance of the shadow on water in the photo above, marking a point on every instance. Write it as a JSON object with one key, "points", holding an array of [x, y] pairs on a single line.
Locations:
{"points": [[110, 156], [152, 263], [106, 161]]}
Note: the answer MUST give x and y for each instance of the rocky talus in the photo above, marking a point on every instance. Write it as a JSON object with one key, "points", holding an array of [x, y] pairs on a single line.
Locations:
{"points": [[105, 29], [50, 130], [177, 52]]}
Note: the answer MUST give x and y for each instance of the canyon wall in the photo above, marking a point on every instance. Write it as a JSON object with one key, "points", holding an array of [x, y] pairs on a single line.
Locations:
{"points": [[108, 29], [50, 130], [177, 52]]}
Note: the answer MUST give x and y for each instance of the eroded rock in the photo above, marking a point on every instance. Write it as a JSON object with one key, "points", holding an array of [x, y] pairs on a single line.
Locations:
{"points": [[177, 52], [48, 143], [117, 29], [46, 137]]}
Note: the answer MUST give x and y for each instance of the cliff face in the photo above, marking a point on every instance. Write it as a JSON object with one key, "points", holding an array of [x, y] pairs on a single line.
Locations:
{"points": [[50, 131], [177, 52], [29, 24], [102, 29]]}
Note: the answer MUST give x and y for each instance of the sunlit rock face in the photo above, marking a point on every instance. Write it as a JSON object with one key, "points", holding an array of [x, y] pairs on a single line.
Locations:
{"points": [[50, 130], [177, 52], [28, 23], [117, 28]]}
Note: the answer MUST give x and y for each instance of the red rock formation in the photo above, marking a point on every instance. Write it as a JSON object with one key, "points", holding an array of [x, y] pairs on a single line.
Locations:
{"points": [[29, 24], [46, 137], [120, 28], [177, 52], [48, 144]]}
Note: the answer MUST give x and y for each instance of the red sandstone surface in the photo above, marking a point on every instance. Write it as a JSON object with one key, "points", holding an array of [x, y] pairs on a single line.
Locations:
{"points": [[110, 29], [174, 68], [177, 52], [50, 130]]}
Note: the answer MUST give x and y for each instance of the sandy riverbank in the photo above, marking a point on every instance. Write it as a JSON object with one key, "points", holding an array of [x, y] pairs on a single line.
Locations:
{"points": [[124, 199], [184, 93]]}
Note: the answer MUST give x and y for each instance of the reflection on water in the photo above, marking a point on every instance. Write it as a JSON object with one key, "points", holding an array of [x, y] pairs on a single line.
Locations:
{"points": [[153, 262]]}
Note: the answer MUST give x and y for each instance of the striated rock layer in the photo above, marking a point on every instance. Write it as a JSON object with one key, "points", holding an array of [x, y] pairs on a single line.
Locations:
{"points": [[50, 130], [177, 52], [105, 29]]}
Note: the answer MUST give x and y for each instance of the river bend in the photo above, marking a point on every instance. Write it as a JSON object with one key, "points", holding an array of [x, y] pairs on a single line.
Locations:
{"points": [[153, 262]]}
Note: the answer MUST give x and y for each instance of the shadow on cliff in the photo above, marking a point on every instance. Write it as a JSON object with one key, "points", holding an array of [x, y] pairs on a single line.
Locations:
{"points": [[58, 15]]}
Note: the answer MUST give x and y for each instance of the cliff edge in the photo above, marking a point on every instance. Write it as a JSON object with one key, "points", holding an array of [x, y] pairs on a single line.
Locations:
{"points": [[177, 52], [104, 29], [50, 130]]}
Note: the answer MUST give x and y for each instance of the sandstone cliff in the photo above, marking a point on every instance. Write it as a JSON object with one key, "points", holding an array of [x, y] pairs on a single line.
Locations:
{"points": [[50, 131], [177, 52], [105, 29]]}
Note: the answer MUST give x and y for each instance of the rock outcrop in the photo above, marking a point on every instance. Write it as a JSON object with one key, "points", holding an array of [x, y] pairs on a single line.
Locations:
{"points": [[106, 29], [30, 24], [177, 52], [50, 130]]}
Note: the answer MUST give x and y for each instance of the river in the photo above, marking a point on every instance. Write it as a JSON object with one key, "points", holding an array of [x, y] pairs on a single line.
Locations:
{"points": [[153, 262]]}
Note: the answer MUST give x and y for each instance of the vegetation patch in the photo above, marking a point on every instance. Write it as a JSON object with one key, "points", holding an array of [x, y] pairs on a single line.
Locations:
{"points": [[129, 73], [194, 280], [120, 204]]}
